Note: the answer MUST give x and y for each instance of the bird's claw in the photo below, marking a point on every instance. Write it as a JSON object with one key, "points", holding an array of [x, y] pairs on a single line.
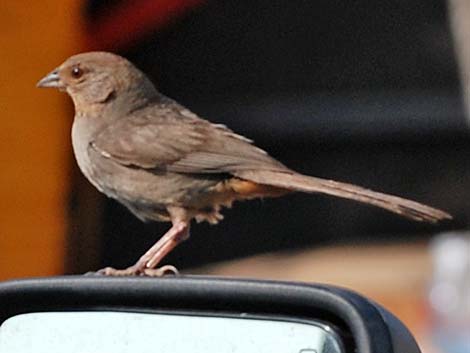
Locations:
{"points": [[167, 270], [137, 271]]}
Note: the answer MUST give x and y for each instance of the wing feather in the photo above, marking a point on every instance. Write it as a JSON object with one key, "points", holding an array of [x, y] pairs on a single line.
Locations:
{"points": [[176, 140]]}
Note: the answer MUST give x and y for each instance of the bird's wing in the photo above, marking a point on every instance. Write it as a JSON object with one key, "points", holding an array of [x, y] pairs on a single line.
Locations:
{"points": [[176, 140]]}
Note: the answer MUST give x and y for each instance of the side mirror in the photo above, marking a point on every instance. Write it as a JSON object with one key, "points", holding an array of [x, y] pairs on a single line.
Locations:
{"points": [[198, 314]]}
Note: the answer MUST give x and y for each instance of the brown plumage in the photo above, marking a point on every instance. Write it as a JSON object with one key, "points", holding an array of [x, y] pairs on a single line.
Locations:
{"points": [[165, 163]]}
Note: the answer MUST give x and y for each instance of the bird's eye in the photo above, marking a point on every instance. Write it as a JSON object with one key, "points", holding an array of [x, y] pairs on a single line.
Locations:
{"points": [[77, 72]]}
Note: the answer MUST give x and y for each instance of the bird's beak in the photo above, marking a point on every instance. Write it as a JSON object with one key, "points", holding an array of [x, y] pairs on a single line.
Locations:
{"points": [[51, 80]]}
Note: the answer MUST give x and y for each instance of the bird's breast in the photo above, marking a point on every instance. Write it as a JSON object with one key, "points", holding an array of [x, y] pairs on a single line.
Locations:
{"points": [[81, 138]]}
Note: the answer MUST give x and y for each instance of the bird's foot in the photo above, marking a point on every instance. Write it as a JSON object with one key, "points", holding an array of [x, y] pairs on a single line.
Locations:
{"points": [[139, 271], [111, 271]]}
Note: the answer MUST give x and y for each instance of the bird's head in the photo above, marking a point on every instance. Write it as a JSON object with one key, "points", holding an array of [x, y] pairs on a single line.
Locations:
{"points": [[99, 77]]}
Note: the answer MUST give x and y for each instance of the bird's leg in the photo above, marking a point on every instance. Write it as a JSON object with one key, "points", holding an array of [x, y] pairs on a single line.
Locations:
{"points": [[148, 262]]}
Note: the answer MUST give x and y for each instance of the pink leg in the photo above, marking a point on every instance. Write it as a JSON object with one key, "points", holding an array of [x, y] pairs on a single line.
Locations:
{"points": [[178, 233], [148, 262]]}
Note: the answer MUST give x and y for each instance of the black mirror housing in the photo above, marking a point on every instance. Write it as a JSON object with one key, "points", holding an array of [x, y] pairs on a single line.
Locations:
{"points": [[363, 325]]}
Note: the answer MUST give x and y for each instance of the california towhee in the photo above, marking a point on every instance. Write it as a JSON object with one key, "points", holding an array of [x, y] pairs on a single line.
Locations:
{"points": [[164, 163]]}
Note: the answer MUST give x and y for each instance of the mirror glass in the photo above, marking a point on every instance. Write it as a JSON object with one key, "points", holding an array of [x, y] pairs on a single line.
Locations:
{"points": [[125, 332]]}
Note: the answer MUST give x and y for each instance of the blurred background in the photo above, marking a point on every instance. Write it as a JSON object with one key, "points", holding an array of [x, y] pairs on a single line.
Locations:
{"points": [[372, 93]]}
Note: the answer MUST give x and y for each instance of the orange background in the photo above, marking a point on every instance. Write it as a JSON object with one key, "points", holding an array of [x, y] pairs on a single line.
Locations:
{"points": [[34, 137]]}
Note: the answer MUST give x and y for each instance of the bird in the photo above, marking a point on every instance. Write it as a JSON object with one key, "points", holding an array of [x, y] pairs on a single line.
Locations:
{"points": [[165, 163]]}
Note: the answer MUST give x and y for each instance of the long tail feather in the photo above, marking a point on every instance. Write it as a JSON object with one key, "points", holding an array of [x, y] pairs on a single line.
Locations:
{"points": [[298, 182]]}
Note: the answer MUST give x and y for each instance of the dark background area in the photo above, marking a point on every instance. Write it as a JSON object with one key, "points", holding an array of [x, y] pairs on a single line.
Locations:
{"points": [[365, 92]]}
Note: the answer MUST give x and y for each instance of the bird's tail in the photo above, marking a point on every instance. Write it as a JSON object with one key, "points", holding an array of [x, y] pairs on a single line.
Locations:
{"points": [[293, 181]]}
